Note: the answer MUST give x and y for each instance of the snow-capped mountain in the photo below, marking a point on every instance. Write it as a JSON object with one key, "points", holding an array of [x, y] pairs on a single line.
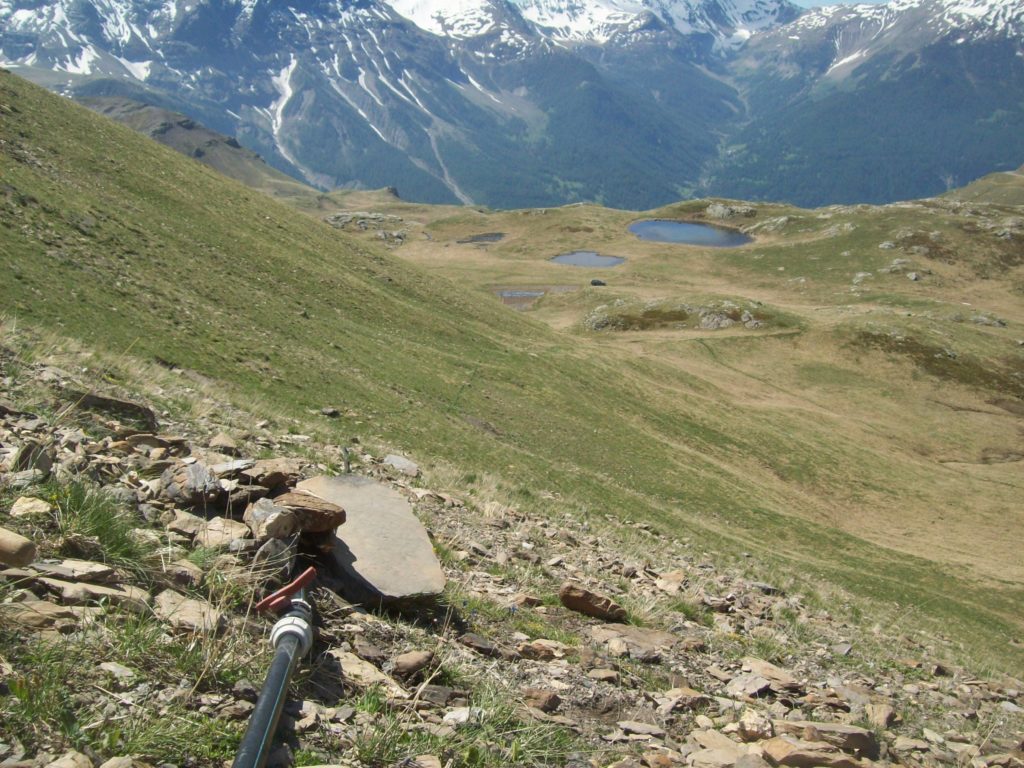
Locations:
{"points": [[536, 102], [596, 21], [841, 37]]}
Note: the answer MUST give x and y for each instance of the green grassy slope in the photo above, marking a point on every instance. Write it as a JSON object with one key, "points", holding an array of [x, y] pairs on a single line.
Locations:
{"points": [[222, 153], [998, 188], [110, 238]]}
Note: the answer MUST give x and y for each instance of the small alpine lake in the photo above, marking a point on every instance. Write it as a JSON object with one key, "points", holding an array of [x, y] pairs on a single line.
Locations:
{"points": [[688, 233], [587, 259]]}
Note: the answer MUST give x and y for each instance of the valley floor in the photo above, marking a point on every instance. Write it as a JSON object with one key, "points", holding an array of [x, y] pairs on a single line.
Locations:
{"points": [[880, 394]]}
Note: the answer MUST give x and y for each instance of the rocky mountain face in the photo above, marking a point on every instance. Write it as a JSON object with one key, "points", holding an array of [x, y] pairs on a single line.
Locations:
{"points": [[631, 103], [873, 103]]}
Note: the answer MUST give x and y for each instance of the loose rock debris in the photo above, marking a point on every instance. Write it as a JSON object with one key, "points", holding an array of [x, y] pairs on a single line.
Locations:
{"points": [[534, 606]]}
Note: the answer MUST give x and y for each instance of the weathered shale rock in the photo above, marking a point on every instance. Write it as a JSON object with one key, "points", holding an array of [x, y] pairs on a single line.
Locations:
{"points": [[849, 738], [33, 454], [383, 550], [272, 473], [290, 513], [190, 485], [15, 549], [796, 753], [402, 464], [220, 532], [188, 614], [28, 506], [576, 598], [116, 407], [364, 675], [637, 642]]}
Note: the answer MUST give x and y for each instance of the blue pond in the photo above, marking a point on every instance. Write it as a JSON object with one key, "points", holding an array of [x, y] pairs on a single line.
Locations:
{"points": [[668, 231], [587, 259]]}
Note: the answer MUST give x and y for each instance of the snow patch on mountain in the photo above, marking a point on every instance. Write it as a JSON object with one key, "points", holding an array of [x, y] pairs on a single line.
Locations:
{"points": [[80, 64], [730, 22], [988, 18], [138, 69], [591, 21], [449, 18], [282, 82]]}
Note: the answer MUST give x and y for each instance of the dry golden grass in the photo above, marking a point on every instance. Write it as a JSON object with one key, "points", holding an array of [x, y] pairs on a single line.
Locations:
{"points": [[954, 457]]}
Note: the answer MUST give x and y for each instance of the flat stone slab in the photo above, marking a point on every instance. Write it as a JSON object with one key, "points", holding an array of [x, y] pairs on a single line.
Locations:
{"points": [[383, 550], [28, 506], [402, 464], [638, 641], [79, 570], [187, 613], [364, 674]]}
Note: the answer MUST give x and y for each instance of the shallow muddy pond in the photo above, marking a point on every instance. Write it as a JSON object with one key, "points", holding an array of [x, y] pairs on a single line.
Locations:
{"points": [[587, 259], [523, 298], [688, 233], [486, 237]]}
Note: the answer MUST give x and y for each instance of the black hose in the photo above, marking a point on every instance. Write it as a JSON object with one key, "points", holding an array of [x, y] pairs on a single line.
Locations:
{"points": [[255, 746]]}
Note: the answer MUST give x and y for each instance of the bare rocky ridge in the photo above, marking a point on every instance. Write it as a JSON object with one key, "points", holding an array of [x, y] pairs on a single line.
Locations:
{"points": [[656, 659]]}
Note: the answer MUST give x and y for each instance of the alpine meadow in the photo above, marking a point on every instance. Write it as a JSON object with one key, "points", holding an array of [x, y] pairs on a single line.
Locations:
{"points": [[390, 290]]}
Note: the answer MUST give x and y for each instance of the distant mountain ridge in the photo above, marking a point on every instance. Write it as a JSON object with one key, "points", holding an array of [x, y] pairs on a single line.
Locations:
{"points": [[597, 21], [630, 103], [874, 103]]}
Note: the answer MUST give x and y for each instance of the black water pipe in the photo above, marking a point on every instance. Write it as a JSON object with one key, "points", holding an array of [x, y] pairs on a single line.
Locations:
{"points": [[292, 637]]}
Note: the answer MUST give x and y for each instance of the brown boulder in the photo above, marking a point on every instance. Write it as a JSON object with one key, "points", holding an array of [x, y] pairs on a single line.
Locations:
{"points": [[71, 759], [408, 664], [224, 443], [880, 714], [542, 699], [33, 455], [364, 675], [80, 570], [28, 506], [681, 699], [186, 523], [125, 410], [576, 598], [637, 642], [35, 614], [79, 593], [271, 473], [220, 532], [290, 513], [312, 514], [266, 520], [15, 549], [779, 679]]}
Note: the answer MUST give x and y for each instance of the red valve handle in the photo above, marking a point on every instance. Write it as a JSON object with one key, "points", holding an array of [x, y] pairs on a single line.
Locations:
{"points": [[282, 598]]}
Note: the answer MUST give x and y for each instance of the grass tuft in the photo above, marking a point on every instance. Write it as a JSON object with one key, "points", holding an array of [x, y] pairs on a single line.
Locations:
{"points": [[92, 523]]}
